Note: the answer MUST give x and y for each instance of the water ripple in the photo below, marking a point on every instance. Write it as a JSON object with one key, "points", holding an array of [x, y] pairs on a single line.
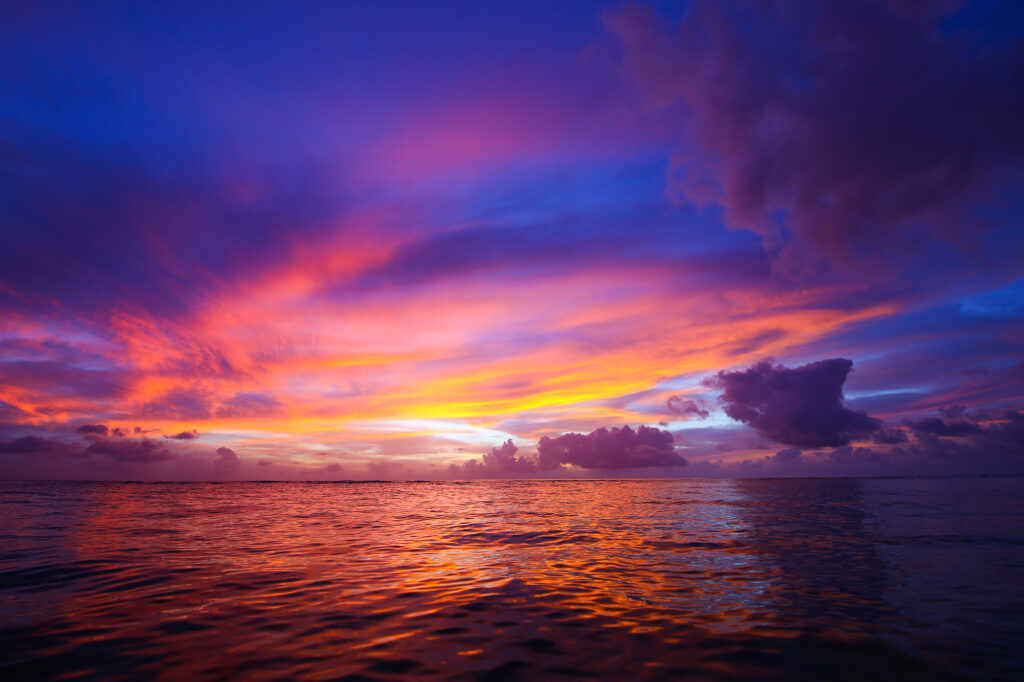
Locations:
{"points": [[716, 580]]}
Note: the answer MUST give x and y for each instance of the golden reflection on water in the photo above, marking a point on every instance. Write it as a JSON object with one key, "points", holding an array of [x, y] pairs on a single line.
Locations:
{"points": [[723, 579]]}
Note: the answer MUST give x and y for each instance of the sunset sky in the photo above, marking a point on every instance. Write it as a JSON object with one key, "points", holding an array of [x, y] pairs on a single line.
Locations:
{"points": [[379, 240]]}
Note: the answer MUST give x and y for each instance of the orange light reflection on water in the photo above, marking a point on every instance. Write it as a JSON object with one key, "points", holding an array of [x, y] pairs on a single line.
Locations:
{"points": [[386, 579]]}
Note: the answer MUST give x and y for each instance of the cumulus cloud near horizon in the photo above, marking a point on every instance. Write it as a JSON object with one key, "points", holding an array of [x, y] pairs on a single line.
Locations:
{"points": [[799, 406], [227, 462], [500, 461], [615, 448]]}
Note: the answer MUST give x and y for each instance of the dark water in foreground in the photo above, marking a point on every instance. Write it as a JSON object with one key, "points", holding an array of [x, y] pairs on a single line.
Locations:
{"points": [[698, 579]]}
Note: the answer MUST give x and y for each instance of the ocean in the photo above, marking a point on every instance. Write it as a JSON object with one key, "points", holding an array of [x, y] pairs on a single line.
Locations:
{"points": [[813, 579]]}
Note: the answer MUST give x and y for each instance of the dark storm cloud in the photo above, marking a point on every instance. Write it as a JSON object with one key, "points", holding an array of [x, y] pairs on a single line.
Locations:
{"points": [[616, 448], [837, 122], [800, 406], [687, 408]]}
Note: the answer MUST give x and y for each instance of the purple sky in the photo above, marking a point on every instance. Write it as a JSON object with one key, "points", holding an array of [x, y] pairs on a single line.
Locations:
{"points": [[420, 240]]}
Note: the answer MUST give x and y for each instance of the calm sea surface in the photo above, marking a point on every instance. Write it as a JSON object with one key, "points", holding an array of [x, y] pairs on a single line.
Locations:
{"points": [[815, 579]]}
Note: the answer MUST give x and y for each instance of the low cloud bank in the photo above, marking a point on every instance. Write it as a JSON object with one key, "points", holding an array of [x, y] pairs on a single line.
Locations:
{"points": [[956, 442], [130, 450], [94, 442]]}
